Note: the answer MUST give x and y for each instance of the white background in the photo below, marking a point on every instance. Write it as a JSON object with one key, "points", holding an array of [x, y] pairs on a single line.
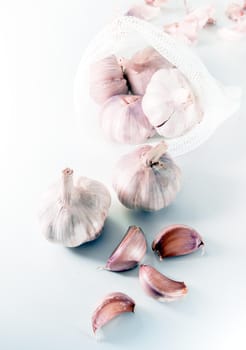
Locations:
{"points": [[47, 292]]}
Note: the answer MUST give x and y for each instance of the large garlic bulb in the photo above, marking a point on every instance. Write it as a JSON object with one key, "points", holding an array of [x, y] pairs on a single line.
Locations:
{"points": [[123, 120], [170, 104], [74, 214], [140, 68], [106, 79], [147, 178]]}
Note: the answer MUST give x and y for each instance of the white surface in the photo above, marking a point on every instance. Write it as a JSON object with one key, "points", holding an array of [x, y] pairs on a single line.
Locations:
{"points": [[48, 292]]}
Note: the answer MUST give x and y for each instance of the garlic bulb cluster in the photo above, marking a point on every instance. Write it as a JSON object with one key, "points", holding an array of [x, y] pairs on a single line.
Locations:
{"points": [[170, 104], [106, 79], [147, 178], [123, 120], [74, 214], [141, 67]]}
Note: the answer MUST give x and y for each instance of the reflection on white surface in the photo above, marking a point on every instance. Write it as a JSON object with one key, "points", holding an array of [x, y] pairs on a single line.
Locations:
{"points": [[48, 292]]}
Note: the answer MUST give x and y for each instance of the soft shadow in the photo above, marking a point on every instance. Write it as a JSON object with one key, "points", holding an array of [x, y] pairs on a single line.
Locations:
{"points": [[100, 249]]}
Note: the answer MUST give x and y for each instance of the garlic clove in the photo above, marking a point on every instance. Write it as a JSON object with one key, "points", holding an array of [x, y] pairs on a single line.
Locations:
{"points": [[147, 178], [144, 11], [129, 252], [160, 287], [111, 306], [141, 67], [156, 3], [123, 120], [74, 214], [170, 104], [235, 12], [106, 79], [176, 240]]}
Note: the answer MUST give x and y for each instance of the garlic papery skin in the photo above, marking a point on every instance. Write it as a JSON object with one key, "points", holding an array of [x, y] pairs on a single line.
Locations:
{"points": [[74, 214], [110, 307], [176, 240], [129, 252], [144, 11], [147, 178], [160, 287], [123, 120], [141, 67], [170, 104], [106, 79]]}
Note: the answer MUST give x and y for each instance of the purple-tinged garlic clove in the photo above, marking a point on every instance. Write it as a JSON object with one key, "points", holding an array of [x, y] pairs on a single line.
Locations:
{"points": [[146, 12], [129, 252], [160, 287], [122, 120], [147, 178], [156, 3], [74, 214], [235, 11], [106, 79], [141, 67], [110, 307], [176, 240], [170, 104]]}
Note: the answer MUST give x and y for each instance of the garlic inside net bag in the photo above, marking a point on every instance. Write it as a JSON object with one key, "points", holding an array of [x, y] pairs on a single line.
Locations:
{"points": [[128, 37]]}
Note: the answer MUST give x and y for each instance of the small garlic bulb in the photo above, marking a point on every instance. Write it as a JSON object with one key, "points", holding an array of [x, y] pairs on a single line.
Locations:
{"points": [[147, 178], [123, 120], [74, 214], [140, 68], [170, 104], [106, 79]]}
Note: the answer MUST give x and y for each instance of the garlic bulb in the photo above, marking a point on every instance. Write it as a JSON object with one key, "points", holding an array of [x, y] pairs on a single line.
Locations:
{"points": [[170, 104], [74, 214], [147, 178], [160, 287], [176, 240], [106, 79], [129, 252], [123, 120], [110, 307], [140, 68]]}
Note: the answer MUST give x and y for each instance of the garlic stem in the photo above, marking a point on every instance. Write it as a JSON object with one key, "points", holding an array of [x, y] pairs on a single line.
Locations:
{"points": [[153, 156], [67, 185]]}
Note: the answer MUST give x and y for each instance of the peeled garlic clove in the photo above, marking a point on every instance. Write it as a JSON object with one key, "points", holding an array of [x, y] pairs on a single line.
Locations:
{"points": [[74, 214], [129, 252], [170, 104], [160, 287], [141, 67], [111, 306], [147, 178], [144, 11], [106, 79], [123, 120], [176, 240]]}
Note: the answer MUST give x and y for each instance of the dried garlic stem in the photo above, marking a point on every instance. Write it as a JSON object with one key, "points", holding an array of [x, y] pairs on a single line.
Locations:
{"points": [[153, 156], [67, 185]]}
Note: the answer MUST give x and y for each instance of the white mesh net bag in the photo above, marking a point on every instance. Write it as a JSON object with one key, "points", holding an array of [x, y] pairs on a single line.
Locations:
{"points": [[124, 37]]}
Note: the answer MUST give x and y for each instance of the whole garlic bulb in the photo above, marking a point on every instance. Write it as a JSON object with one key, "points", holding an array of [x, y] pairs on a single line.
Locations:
{"points": [[170, 104], [123, 120], [147, 178], [106, 79], [141, 67], [74, 214]]}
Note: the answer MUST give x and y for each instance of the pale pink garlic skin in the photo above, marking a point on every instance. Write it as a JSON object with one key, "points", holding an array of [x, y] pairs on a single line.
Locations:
{"points": [[235, 11], [113, 305], [156, 3], [122, 120], [160, 287], [187, 30], [236, 32], [170, 104], [129, 252], [106, 79], [141, 67], [177, 240], [144, 184], [143, 11]]}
